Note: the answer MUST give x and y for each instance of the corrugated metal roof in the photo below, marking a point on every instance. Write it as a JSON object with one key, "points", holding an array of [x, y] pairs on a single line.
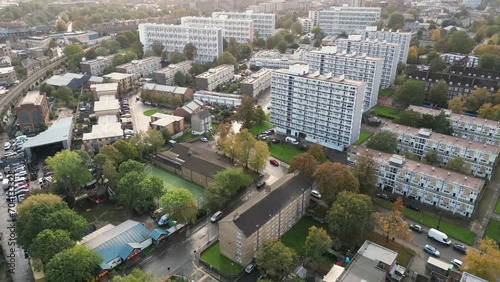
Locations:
{"points": [[157, 234], [57, 132]]}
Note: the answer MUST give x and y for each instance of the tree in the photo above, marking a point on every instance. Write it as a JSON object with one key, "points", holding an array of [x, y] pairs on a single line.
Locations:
{"points": [[488, 111], [112, 45], [435, 34], [50, 242], [344, 180], [179, 205], [260, 116], [396, 21], [64, 93], [226, 58], [223, 131], [384, 141], [96, 19], [246, 113], [76, 264], [484, 261], [137, 275], [128, 151], [317, 242], [438, 95], [123, 40], [24, 209], [246, 142], [226, 184], [488, 61], [282, 45], [365, 172], [437, 65], [412, 92], [245, 51], [351, 217], [229, 146], [296, 28], [457, 104], [138, 49], [147, 142], [305, 40], [275, 260], [259, 156], [460, 42], [305, 163], [176, 57], [409, 118], [73, 49], [109, 172], [151, 188], [479, 97], [392, 223], [70, 171], [113, 153], [456, 164], [61, 25], [432, 158], [101, 51], [234, 48], [190, 51], [315, 30], [412, 55], [317, 151]]}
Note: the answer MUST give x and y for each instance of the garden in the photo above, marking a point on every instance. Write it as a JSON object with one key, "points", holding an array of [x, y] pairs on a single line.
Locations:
{"points": [[386, 112], [213, 257]]}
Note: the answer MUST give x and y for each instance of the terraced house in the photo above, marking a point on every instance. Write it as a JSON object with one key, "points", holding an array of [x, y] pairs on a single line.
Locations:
{"points": [[480, 159], [443, 189]]}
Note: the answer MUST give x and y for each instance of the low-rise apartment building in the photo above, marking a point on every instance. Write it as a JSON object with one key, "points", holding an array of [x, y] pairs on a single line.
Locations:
{"points": [[352, 66], [256, 83], [101, 89], [319, 108], [452, 58], [239, 29], [7, 76], [125, 81], [164, 92], [264, 23], [479, 159], [38, 41], [201, 122], [173, 124], [5, 50], [467, 127], [272, 59], [268, 215], [214, 77], [389, 52], [401, 38], [166, 75], [217, 98], [107, 130], [141, 68], [33, 111], [443, 189], [189, 109], [208, 40], [96, 66], [337, 20]]}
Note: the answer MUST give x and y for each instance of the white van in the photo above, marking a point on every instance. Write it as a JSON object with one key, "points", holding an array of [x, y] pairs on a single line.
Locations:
{"points": [[291, 140], [439, 236]]}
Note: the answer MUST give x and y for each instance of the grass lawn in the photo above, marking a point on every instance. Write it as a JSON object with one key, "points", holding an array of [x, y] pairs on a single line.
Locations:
{"points": [[102, 214], [493, 230], [387, 92], [257, 129], [284, 151], [460, 233], [363, 135], [386, 111], [497, 207], [213, 257], [295, 238], [152, 112], [404, 254], [185, 137]]}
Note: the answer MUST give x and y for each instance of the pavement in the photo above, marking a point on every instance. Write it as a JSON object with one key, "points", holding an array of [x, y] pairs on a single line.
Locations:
{"points": [[137, 108]]}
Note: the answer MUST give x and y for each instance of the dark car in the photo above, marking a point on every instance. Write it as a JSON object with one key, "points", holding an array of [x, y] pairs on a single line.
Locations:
{"points": [[260, 184], [460, 248], [274, 162], [413, 207], [383, 196]]}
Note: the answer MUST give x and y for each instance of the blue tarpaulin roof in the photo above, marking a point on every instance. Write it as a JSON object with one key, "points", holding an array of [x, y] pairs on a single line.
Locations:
{"points": [[157, 234]]}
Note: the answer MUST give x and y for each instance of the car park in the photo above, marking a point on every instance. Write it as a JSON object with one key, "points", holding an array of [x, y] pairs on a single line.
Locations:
{"points": [[431, 250], [216, 217], [383, 196], [261, 183], [249, 268], [416, 227], [315, 194], [274, 162], [460, 248]]}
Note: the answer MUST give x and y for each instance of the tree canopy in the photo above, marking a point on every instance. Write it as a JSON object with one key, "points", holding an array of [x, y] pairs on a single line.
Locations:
{"points": [[344, 181], [50, 242], [365, 172], [226, 184], [384, 141], [412, 92], [317, 242], [275, 260], [179, 205], [76, 264], [392, 223], [484, 261], [305, 163], [438, 95]]}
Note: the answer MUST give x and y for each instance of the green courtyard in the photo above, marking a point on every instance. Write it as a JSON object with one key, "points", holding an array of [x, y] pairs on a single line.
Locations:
{"points": [[213, 257]]}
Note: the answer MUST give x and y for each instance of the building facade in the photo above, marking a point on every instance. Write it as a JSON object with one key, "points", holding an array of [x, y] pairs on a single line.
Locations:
{"points": [[267, 216], [173, 124], [165, 76], [33, 111], [256, 83], [272, 59], [96, 66], [451, 58], [7, 76], [471, 4], [306, 23], [264, 23], [467, 127], [389, 52], [5, 50], [214, 77], [443, 189], [337, 20], [239, 29], [319, 108], [401, 38], [157, 91], [352, 66], [125, 81], [479, 159], [141, 68], [217, 98], [201, 122], [208, 40]]}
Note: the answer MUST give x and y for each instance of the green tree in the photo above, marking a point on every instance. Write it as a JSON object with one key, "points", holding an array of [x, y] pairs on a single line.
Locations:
{"points": [[226, 58], [275, 260], [123, 40], [437, 65], [259, 156], [138, 49], [460, 42], [96, 19], [351, 217], [412, 92], [70, 171], [260, 116], [409, 118], [488, 61], [112, 45], [128, 151], [282, 45], [234, 48], [438, 95], [76, 264], [61, 25], [246, 113], [305, 40], [488, 111], [344, 180], [365, 172], [137, 275], [456, 164], [479, 97], [317, 151], [113, 153], [245, 51], [190, 51], [63, 93], [101, 51], [179, 205], [317, 242], [50, 242], [392, 224], [176, 57], [315, 30], [73, 49], [130, 166], [196, 69], [296, 28], [246, 142], [304, 163], [457, 104], [432, 158], [396, 21], [384, 141], [226, 184], [109, 172]]}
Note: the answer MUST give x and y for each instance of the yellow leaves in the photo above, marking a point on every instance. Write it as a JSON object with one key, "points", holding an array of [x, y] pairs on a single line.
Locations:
{"points": [[392, 224], [494, 49], [457, 104], [435, 34], [484, 262], [412, 55]]}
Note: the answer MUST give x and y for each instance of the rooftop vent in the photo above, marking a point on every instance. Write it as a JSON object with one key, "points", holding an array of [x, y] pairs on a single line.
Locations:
{"points": [[465, 177], [397, 159], [433, 168]]}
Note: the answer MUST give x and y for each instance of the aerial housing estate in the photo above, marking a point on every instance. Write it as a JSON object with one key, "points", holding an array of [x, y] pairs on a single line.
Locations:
{"points": [[166, 75], [214, 77], [256, 83], [401, 38], [140, 68], [344, 19], [239, 29]]}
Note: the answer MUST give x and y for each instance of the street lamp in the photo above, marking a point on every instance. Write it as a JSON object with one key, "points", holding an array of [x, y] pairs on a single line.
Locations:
{"points": [[439, 220]]}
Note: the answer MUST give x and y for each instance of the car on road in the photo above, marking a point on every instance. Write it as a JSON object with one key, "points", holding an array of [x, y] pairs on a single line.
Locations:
{"points": [[261, 183], [383, 196], [249, 268], [457, 263], [204, 139], [147, 103], [274, 162], [460, 248], [416, 227], [315, 194], [216, 217], [431, 250], [413, 207]]}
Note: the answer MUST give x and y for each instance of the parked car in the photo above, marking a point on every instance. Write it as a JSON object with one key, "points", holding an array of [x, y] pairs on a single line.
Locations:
{"points": [[383, 196], [128, 131], [457, 263], [460, 248], [204, 139], [431, 250], [147, 103], [216, 217], [261, 183], [413, 207], [291, 140], [274, 162], [315, 194], [416, 227], [249, 268]]}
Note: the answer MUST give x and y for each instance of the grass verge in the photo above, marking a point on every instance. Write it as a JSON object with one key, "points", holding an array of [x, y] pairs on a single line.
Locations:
{"points": [[295, 238], [363, 135], [497, 207], [460, 233], [493, 230], [152, 112], [284, 151], [386, 111], [404, 254], [213, 257], [387, 92]]}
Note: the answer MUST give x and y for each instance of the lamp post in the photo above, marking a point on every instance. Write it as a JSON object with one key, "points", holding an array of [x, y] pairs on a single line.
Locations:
{"points": [[439, 220]]}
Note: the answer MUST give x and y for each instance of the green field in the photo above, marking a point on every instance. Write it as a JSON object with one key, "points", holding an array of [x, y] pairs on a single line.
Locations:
{"points": [[284, 151], [257, 129], [295, 238], [363, 135], [213, 257], [386, 111], [152, 112], [173, 181], [460, 233], [493, 230]]}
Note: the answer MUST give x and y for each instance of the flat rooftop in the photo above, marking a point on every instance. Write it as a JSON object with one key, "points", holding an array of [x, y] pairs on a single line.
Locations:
{"points": [[117, 76], [165, 88], [257, 75], [217, 94], [105, 87], [332, 50], [175, 67], [164, 119], [215, 71], [457, 117], [32, 98], [106, 103], [106, 127], [317, 76]]}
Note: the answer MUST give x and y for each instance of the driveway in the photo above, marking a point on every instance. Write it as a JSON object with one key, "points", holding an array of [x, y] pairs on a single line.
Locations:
{"points": [[139, 120]]}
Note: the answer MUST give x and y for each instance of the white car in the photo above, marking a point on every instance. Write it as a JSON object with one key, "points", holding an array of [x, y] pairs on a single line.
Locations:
{"points": [[315, 194], [128, 131], [457, 263], [7, 146], [204, 139]]}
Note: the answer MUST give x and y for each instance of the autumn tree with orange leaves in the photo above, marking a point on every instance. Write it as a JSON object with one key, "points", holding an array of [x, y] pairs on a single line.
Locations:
{"points": [[484, 261], [305, 163], [334, 178], [392, 224]]}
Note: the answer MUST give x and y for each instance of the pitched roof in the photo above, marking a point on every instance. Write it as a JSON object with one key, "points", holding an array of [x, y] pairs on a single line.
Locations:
{"points": [[192, 106], [203, 114], [157, 234], [26, 63]]}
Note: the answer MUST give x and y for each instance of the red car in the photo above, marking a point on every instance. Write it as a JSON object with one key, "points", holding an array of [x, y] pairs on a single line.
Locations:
{"points": [[274, 162]]}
